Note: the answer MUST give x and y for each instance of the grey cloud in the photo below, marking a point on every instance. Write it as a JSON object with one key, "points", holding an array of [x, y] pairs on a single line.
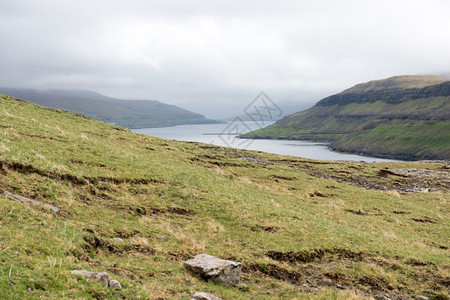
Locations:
{"points": [[216, 55]]}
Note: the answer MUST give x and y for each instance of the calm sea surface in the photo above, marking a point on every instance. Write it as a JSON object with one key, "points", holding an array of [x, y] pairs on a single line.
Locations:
{"points": [[225, 135]]}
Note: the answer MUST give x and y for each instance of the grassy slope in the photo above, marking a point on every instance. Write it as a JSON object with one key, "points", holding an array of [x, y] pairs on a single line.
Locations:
{"points": [[419, 127], [168, 200], [406, 81], [125, 113]]}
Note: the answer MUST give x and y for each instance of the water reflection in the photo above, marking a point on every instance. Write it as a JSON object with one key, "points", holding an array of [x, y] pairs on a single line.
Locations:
{"points": [[211, 134]]}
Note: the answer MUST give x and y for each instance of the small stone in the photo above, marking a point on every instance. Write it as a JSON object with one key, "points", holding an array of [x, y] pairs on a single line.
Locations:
{"points": [[103, 277], [357, 178], [421, 297], [221, 271], [312, 290], [117, 240], [115, 284], [161, 237], [204, 296], [325, 282]]}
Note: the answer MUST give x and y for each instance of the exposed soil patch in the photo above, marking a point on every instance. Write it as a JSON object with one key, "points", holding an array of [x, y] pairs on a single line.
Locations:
{"points": [[317, 193], [283, 178], [142, 211], [115, 180], [331, 187], [51, 138], [316, 254], [132, 274], [171, 209], [254, 160], [308, 268], [399, 212], [311, 277], [274, 271], [215, 162], [424, 220], [93, 243], [374, 283], [401, 180], [264, 228], [139, 248], [28, 169], [386, 172], [357, 212], [418, 263], [127, 234], [89, 163]]}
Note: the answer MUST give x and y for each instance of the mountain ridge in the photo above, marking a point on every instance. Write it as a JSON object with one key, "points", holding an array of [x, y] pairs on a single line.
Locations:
{"points": [[131, 114], [366, 120]]}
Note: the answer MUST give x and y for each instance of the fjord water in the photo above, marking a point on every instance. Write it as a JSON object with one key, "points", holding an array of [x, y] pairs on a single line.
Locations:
{"points": [[224, 135]]}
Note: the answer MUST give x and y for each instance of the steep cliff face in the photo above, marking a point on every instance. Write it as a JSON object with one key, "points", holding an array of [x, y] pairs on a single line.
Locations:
{"points": [[399, 117], [389, 95]]}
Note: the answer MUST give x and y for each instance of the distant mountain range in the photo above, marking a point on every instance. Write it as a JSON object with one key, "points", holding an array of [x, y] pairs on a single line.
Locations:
{"points": [[403, 117], [126, 113]]}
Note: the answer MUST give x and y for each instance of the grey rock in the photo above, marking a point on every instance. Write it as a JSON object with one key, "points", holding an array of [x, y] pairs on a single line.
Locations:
{"points": [[204, 296], [161, 236], [103, 277], [312, 290], [325, 282], [117, 240], [32, 201], [421, 297], [221, 271], [357, 178], [115, 284]]}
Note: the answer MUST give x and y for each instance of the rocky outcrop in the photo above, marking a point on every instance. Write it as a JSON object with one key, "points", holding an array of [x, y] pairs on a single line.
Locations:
{"points": [[391, 95], [117, 240], [204, 296], [26, 200], [102, 277], [221, 271], [115, 284]]}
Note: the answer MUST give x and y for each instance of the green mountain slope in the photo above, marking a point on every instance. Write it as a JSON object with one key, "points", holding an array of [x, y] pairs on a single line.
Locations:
{"points": [[302, 229], [125, 113], [404, 117]]}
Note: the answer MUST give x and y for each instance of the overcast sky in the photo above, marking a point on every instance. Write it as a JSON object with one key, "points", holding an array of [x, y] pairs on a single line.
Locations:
{"points": [[215, 56]]}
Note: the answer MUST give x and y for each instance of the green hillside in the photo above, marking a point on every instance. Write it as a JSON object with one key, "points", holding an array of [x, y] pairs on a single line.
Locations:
{"points": [[126, 113], [302, 229], [403, 117]]}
